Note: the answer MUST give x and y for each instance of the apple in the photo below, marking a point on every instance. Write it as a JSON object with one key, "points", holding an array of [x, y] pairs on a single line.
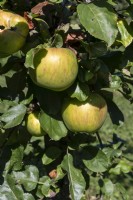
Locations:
{"points": [[13, 32], [33, 125], [54, 68], [87, 116]]}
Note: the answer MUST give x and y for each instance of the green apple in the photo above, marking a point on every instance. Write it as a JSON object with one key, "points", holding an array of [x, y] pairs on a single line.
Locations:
{"points": [[13, 32], [33, 125], [87, 116], [54, 68]]}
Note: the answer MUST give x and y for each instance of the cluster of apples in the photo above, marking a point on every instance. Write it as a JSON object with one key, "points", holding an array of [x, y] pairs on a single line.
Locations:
{"points": [[55, 69]]}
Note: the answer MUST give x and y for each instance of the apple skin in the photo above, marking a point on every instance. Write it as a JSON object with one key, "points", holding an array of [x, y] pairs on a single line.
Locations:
{"points": [[13, 34], [33, 125], [55, 68], [87, 116]]}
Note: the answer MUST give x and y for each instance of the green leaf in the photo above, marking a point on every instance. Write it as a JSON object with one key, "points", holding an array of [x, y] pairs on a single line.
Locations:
{"points": [[95, 160], [115, 82], [97, 49], [50, 101], [125, 32], [5, 105], [76, 180], [121, 192], [79, 91], [14, 116], [56, 1], [74, 21], [131, 70], [58, 41], [85, 75], [28, 100], [9, 190], [43, 28], [2, 2], [44, 187], [50, 155], [29, 62], [53, 127], [28, 196], [28, 178], [15, 161], [108, 187], [99, 20], [111, 153], [124, 166], [3, 83], [60, 173]]}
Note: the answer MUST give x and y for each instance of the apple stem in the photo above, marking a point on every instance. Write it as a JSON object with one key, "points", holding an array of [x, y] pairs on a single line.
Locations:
{"points": [[100, 141]]}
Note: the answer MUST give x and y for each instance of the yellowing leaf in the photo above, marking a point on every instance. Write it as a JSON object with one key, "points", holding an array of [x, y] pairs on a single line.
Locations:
{"points": [[126, 37]]}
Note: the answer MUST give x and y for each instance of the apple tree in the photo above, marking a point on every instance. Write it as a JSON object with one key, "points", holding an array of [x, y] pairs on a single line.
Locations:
{"points": [[65, 66]]}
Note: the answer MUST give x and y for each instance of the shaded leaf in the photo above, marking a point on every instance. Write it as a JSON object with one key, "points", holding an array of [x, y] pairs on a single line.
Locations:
{"points": [[50, 155], [29, 62], [85, 75], [58, 41], [97, 49], [79, 91], [95, 160], [50, 101], [53, 127], [43, 28]]}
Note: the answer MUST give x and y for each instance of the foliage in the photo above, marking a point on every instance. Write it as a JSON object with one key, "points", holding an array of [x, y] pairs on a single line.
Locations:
{"points": [[81, 166]]}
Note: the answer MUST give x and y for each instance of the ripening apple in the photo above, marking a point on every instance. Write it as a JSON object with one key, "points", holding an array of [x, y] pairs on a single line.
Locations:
{"points": [[54, 68], [13, 32], [33, 125], [87, 116]]}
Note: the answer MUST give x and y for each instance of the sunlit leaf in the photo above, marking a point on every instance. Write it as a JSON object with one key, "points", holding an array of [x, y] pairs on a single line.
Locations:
{"points": [[10, 190], [126, 36], [76, 180], [28, 178], [44, 187], [115, 82], [13, 116], [108, 187], [15, 161], [99, 20], [79, 91]]}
